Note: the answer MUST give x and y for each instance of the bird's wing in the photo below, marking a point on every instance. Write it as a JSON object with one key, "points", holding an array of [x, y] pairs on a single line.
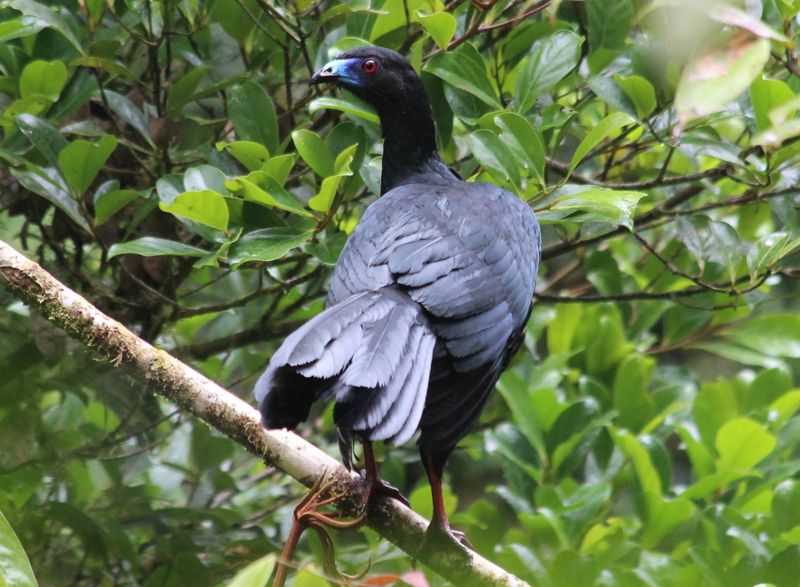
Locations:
{"points": [[467, 253]]}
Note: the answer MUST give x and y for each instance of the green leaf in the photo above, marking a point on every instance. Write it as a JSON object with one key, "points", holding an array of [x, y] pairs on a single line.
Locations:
{"points": [[776, 335], [19, 27], [149, 246], [464, 69], [314, 151], [43, 136], [612, 94], [765, 96], [525, 142], [719, 75], [103, 64], [81, 161], [329, 249], [441, 26], [551, 59], [786, 504], [266, 244], [278, 168], [252, 155], [263, 189], [494, 156], [253, 115], [392, 16], [741, 444], [15, 568], [646, 472], [204, 177], [206, 207], [640, 92], [608, 23], [727, 246], [591, 204], [324, 199], [55, 17], [256, 574], [130, 113], [43, 78], [109, 199], [768, 250], [632, 401], [603, 130], [47, 183], [182, 91], [350, 106], [664, 516]]}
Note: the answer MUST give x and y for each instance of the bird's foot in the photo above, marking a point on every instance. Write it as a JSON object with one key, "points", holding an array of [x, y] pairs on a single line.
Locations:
{"points": [[309, 514], [440, 537], [379, 488]]}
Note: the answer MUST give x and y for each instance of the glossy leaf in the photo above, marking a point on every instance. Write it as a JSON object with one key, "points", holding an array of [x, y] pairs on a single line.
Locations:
{"points": [[742, 444], [441, 26], [256, 574], [766, 95], [81, 161], [263, 189], [494, 156], [608, 23], [149, 246], [464, 69], [130, 113], [523, 139], [43, 136], [550, 60], [640, 92], [47, 184], [777, 335], [43, 78], [206, 207], [314, 151], [349, 106], [590, 204], [266, 244], [15, 569], [603, 130], [253, 115]]}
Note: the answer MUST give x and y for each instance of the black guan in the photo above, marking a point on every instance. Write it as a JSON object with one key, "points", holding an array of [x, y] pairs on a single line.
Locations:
{"points": [[428, 300]]}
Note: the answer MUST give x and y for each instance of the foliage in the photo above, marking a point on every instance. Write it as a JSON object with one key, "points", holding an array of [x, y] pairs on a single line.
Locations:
{"points": [[167, 159]]}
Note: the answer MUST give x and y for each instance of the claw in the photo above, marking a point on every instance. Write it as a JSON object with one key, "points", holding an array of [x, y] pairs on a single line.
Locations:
{"points": [[307, 515], [440, 538]]}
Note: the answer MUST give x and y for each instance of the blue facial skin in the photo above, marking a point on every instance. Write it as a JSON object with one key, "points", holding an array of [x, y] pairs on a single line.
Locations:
{"points": [[347, 71]]}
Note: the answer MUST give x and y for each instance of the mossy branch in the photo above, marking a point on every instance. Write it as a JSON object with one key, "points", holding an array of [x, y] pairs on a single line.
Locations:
{"points": [[235, 418]]}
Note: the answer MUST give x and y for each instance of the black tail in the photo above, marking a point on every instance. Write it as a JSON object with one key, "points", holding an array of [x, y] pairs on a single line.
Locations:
{"points": [[371, 353]]}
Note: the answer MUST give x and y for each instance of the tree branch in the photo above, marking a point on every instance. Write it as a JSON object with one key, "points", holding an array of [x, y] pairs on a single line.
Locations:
{"points": [[229, 414]]}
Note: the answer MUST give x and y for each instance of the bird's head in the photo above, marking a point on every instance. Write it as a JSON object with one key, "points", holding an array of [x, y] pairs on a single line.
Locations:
{"points": [[379, 76]]}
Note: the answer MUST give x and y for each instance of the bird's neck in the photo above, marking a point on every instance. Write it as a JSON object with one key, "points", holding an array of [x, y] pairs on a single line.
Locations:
{"points": [[409, 147]]}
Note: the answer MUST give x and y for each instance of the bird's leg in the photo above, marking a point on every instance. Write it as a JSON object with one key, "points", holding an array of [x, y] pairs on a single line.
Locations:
{"points": [[439, 527], [376, 486]]}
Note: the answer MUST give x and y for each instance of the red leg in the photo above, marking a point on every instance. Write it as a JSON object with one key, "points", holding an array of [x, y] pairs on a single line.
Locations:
{"points": [[439, 526], [377, 486]]}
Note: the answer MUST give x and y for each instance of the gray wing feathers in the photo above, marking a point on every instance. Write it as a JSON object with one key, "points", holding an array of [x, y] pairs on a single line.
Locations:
{"points": [[372, 353], [403, 417], [380, 350]]}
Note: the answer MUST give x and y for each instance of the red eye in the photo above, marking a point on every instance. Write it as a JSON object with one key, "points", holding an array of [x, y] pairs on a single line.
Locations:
{"points": [[369, 66]]}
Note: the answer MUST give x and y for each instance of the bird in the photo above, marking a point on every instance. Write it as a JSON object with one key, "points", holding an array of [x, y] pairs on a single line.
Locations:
{"points": [[427, 302]]}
